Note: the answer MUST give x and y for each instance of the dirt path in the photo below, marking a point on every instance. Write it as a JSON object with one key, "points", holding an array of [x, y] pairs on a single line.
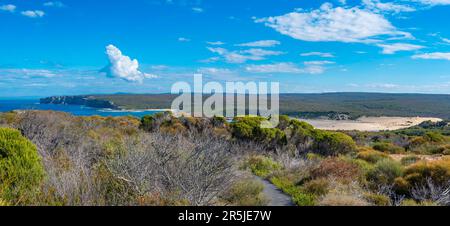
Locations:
{"points": [[276, 196]]}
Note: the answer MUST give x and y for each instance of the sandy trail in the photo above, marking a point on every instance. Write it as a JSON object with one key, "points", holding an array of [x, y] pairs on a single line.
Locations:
{"points": [[369, 123], [275, 195], [427, 158]]}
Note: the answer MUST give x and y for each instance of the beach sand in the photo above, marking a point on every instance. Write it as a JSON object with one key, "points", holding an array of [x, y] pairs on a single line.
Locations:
{"points": [[369, 123]]}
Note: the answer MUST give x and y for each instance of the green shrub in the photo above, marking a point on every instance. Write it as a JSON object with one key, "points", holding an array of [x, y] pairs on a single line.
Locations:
{"points": [[3, 203], [430, 148], [269, 135], [378, 199], [242, 131], [434, 137], [317, 187], [249, 128], [401, 186], [262, 166], [297, 124], [410, 159], [428, 203], [412, 202], [299, 196], [417, 141], [243, 127], [333, 143], [363, 165], [304, 199], [21, 171], [284, 184], [385, 172], [372, 156], [153, 122], [246, 193], [301, 135], [438, 171], [148, 123], [409, 202], [284, 122], [314, 157], [219, 121], [388, 148]]}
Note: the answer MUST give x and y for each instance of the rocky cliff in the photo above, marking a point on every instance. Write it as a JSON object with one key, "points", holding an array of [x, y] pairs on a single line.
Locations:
{"points": [[87, 101]]}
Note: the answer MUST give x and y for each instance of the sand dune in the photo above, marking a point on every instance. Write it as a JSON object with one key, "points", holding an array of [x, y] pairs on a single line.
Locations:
{"points": [[370, 123]]}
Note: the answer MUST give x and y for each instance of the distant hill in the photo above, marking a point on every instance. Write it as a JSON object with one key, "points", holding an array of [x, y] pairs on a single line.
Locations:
{"points": [[331, 105]]}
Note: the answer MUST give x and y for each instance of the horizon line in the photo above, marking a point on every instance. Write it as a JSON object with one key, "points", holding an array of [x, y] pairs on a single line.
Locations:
{"points": [[168, 93]]}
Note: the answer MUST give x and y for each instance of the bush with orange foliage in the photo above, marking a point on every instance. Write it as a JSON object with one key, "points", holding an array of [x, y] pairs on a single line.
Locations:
{"points": [[370, 155], [438, 171], [337, 168]]}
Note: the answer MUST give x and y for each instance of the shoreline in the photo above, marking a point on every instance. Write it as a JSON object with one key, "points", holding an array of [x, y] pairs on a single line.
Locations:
{"points": [[369, 124], [134, 110]]}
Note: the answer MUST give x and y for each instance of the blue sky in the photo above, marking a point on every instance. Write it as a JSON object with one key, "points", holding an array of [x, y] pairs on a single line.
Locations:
{"points": [[144, 46]]}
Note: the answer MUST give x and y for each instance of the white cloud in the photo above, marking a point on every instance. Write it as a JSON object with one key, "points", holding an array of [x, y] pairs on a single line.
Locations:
{"points": [[288, 68], [33, 13], [378, 6], [36, 85], [55, 4], [262, 43], [446, 40], [182, 39], [320, 54], [9, 8], [221, 74], [316, 67], [210, 60], [216, 71], [197, 10], [123, 67], [405, 88], [274, 68], [438, 35], [393, 48], [319, 62], [159, 67], [233, 57], [433, 56], [433, 2], [351, 25], [218, 43], [30, 72], [261, 52], [383, 85], [243, 56]]}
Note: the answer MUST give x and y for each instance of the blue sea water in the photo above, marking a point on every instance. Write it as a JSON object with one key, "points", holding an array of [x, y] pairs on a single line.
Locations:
{"points": [[33, 104]]}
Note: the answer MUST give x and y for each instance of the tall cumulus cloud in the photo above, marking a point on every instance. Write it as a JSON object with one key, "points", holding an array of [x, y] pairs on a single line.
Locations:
{"points": [[121, 66]]}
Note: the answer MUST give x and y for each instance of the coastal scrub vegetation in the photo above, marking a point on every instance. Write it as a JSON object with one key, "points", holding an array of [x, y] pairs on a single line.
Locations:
{"points": [[54, 158], [21, 171]]}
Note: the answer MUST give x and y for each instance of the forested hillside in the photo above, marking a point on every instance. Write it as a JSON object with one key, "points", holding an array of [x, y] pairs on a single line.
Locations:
{"points": [[316, 105]]}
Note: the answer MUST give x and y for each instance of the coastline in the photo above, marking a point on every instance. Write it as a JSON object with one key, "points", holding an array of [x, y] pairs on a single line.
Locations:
{"points": [[369, 124], [133, 110]]}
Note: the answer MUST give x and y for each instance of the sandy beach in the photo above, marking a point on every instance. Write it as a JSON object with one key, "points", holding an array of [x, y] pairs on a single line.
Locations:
{"points": [[369, 123]]}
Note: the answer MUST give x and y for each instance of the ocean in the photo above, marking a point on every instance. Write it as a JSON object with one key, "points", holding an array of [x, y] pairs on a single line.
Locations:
{"points": [[33, 104]]}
